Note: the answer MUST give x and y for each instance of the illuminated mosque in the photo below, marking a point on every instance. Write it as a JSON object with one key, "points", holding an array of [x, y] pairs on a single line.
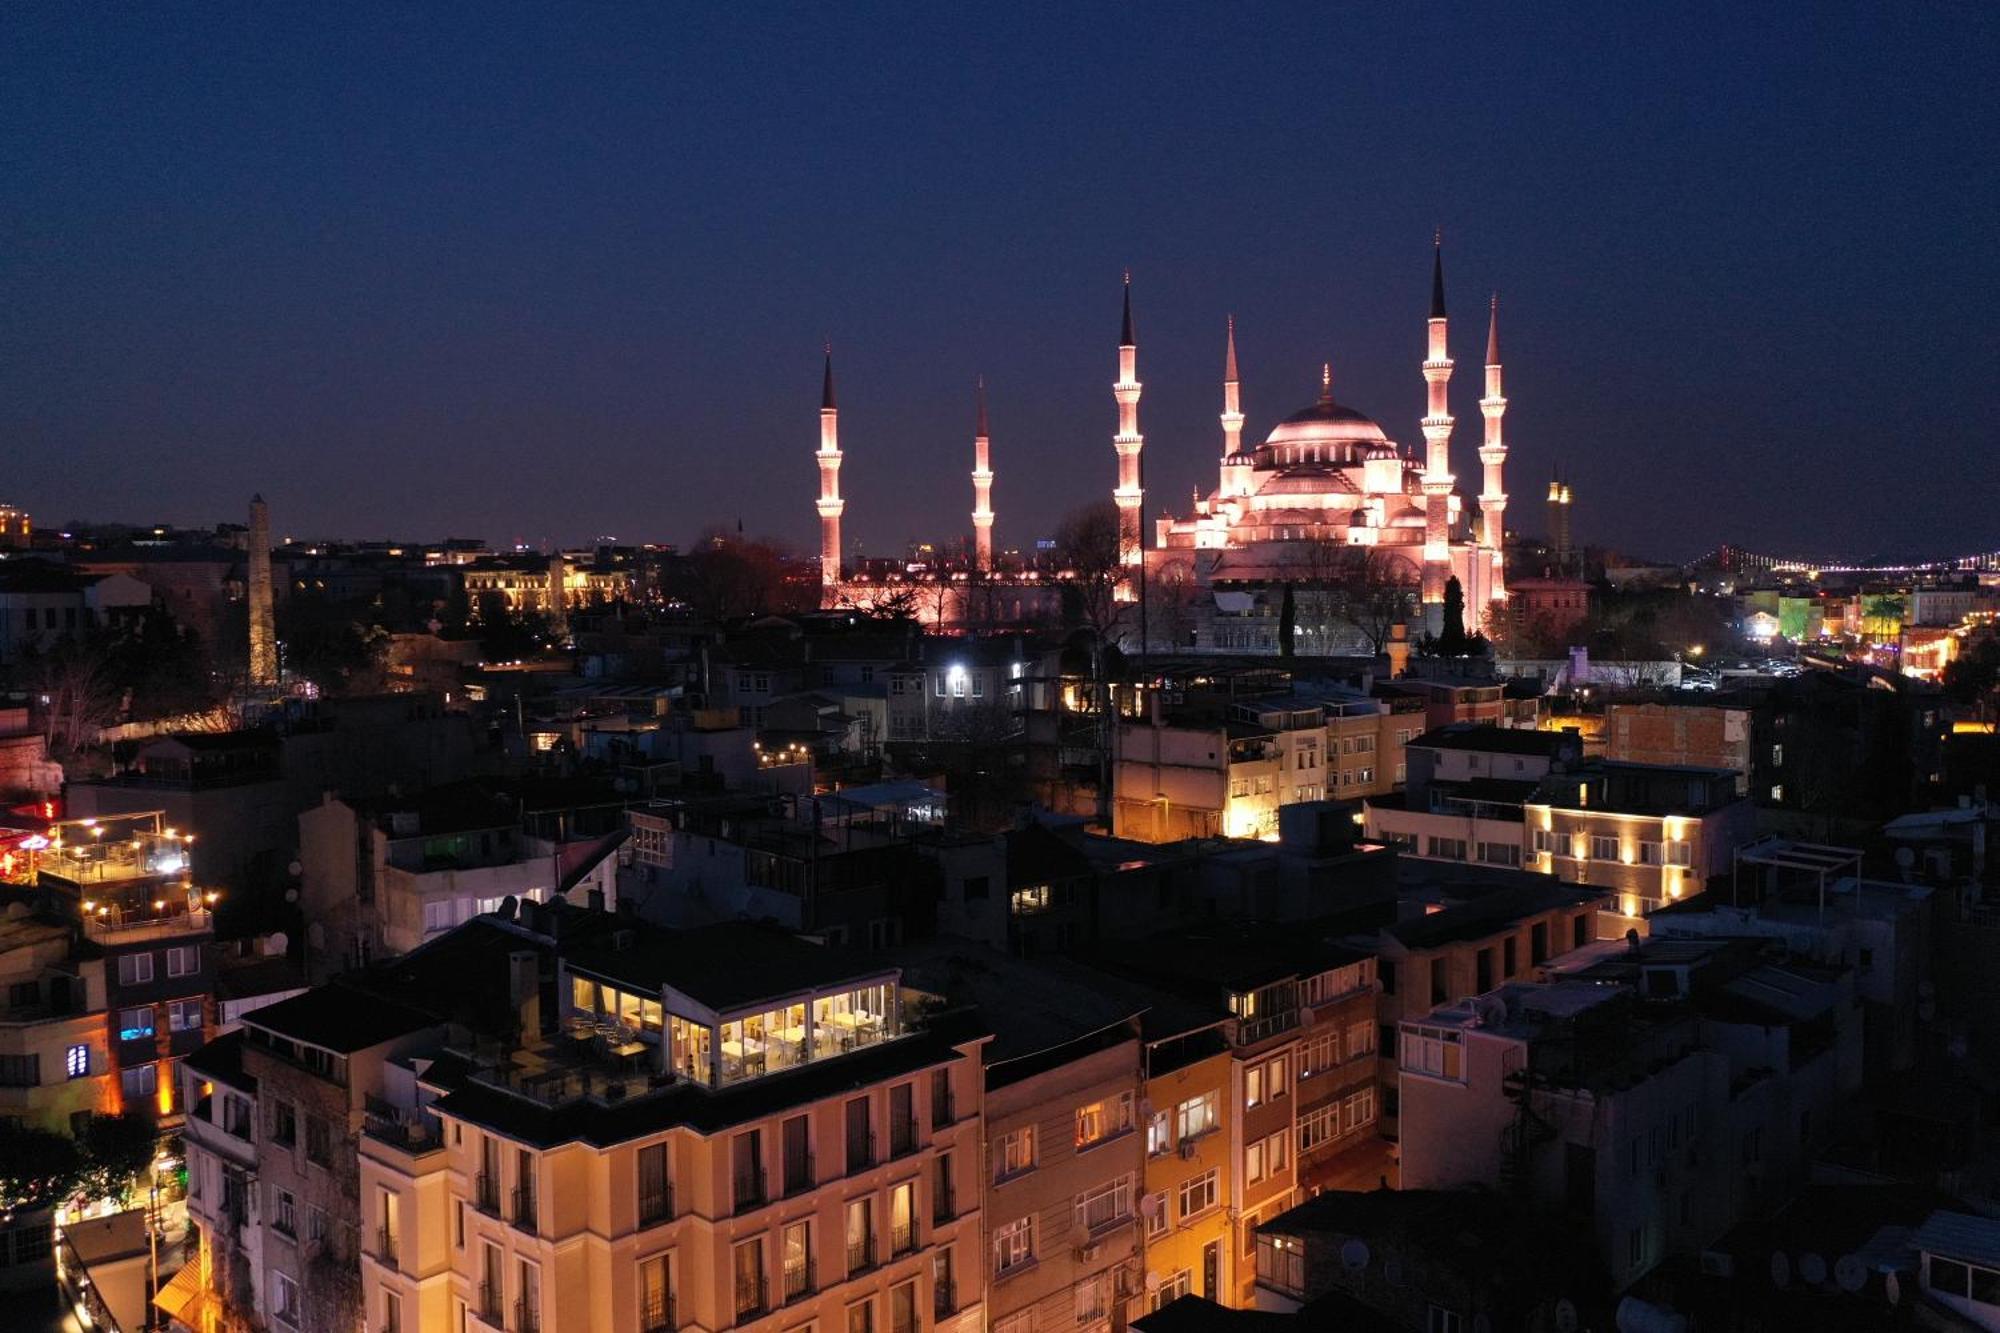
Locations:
{"points": [[1327, 488]]}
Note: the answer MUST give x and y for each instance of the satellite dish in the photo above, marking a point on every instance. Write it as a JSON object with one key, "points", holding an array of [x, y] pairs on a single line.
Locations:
{"points": [[1354, 1255], [1850, 1273], [1892, 1287], [296, 869], [1812, 1268], [1152, 1282], [1566, 1320], [276, 942], [1781, 1269], [1392, 1272]]}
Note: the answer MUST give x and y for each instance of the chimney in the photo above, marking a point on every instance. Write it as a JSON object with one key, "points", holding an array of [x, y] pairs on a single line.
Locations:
{"points": [[595, 898], [524, 989]]}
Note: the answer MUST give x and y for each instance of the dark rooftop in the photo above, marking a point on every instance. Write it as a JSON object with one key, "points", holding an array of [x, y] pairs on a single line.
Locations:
{"points": [[1489, 739], [724, 966], [340, 1017]]}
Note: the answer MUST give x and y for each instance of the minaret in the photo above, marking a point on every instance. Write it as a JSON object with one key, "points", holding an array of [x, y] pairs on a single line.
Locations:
{"points": [[1129, 496], [982, 488], [263, 621], [1437, 479], [830, 503], [1493, 456], [1232, 408], [1558, 520]]}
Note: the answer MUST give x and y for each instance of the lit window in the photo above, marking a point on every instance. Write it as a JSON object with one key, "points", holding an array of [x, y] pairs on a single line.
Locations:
{"points": [[76, 1064]]}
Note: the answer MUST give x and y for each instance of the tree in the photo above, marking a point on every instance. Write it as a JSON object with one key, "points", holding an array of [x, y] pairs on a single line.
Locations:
{"points": [[336, 645], [37, 1168], [117, 1151], [1288, 621], [1087, 545], [1170, 597], [77, 688], [1975, 674], [1452, 640]]}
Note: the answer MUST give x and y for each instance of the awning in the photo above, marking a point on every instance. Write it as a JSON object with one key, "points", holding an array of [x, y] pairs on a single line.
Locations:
{"points": [[186, 1303]]}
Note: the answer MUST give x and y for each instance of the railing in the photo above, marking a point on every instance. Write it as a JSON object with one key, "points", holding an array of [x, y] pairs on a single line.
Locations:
{"points": [[104, 927], [750, 1191], [657, 1313], [942, 1110], [486, 1194], [798, 1281], [527, 1317], [799, 1174], [860, 1151], [944, 1204], [902, 1137], [752, 1296], [944, 1299], [903, 1238], [385, 1246], [1250, 1031], [524, 1208], [656, 1205], [860, 1255], [489, 1303]]}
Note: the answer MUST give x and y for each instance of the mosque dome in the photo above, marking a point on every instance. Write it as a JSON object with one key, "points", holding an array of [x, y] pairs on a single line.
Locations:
{"points": [[1327, 422]]}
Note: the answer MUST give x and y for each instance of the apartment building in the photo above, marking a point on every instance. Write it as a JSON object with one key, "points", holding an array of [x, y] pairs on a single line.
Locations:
{"points": [[1190, 1070], [127, 879], [1466, 785], [714, 1128], [1488, 936], [55, 1060], [1649, 833], [224, 1284], [1700, 735]]}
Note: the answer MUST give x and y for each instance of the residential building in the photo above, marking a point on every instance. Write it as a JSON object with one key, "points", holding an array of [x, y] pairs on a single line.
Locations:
{"points": [[1649, 833], [1698, 735], [1465, 792], [55, 1055]]}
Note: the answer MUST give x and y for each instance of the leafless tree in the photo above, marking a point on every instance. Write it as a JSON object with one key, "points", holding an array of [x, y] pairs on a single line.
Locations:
{"points": [[1170, 595], [1369, 588], [75, 688], [1087, 547]]}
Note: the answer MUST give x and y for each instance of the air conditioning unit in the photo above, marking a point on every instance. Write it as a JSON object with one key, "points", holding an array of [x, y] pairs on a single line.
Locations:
{"points": [[1188, 1147], [1088, 1252]]}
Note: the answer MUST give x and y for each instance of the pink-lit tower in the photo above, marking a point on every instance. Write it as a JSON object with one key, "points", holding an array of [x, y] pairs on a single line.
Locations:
{"points": [[982, 488], [830, 503], [1232, 408], [1493, 457], [1437, 479], [1130, 496]]}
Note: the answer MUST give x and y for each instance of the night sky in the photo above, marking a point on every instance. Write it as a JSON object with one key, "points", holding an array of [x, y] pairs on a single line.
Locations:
{"points": [[561, 273]]}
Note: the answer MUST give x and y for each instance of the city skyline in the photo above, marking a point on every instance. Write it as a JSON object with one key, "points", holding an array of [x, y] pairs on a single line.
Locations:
{"points": [[381, 269]]}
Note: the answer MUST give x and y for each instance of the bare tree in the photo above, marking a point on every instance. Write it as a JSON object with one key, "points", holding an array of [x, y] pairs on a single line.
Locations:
{"points": [[1093, 573], [78, 695], [1171, 599], [1379, 592]]}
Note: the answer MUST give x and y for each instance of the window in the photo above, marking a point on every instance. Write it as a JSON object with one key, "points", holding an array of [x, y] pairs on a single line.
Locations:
{"points": [[1093, 1299], [437, 916], [1545, 841], [284, 1123], [747, 1266], [903, 1218], [1030, 900], [1101, 1120], [1015, 1154], [135, 969], [1433, 1051], [183, 960], [1500, 853], [76, 1062], [1266, 1157], [1319, 1053], [134, 1024], [1358, 1110], [284, 1211], [1676, 853], [1014, 1245], [1281, 1263], [1317, 1126], [1444, 1321], [1649, 853], [1603, 848], [1197, 1116], [1173, 1288], [655, 1200], [319, 1140], [1103, 1206], [1445, 849], [139, 1081], [20, 1071], [1265, 1082], [1198, 1195], [1360, 1039], [184, 1016], [860, 1233], [285, 1301]]}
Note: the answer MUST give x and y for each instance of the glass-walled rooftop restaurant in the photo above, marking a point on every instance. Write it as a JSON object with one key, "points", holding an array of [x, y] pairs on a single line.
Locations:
{"points": [[112, 849], [720, 1048]]}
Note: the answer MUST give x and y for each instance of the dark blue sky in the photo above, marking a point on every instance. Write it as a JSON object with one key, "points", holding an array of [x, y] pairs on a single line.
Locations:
{"points": [[560, 272]]}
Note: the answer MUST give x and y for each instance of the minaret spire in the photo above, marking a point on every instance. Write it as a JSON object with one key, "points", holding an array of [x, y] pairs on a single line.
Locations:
{"points": [[1130, 495], [830, 504], [1232, 408], [982, 485], [1493, 458], [1437, 479]]}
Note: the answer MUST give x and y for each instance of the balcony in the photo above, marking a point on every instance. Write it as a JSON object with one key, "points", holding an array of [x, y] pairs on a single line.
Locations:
{"points": [[405, 1129], [944, 1298], [942, 1109], [527, 1317], [107, 923], [799, 1281], [656, 1204], [385, 1246], [860, 1256], [525, 1210], [902, 1239], [799, 1174], [488, 1308], [657, 1313], [749, 1190], [486, 1194], [860, 1151], [1250, 1031], [902, 1137], [944, 1205], [752, 1296]]}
